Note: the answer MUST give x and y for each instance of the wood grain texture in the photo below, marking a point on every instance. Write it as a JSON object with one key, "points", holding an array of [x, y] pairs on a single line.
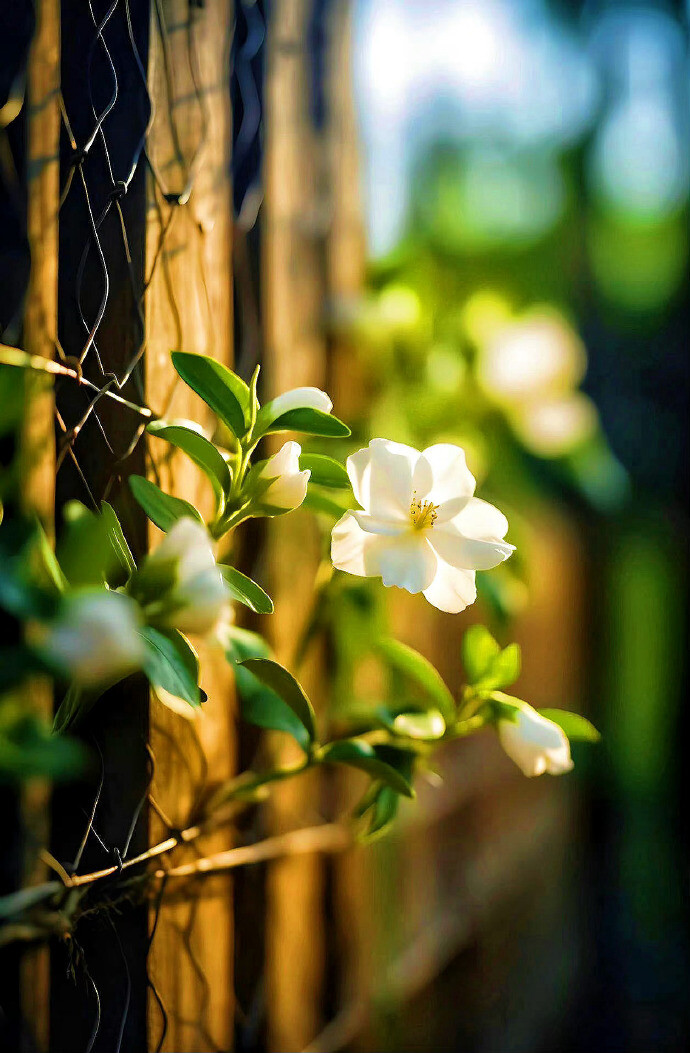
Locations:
{"points": [[38, 440], [189, 307], [296, 214]]}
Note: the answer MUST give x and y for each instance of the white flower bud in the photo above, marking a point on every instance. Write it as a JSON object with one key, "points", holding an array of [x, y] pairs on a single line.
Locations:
{"points": [[537, 745], [300, 398], [95, 637], [288, 484]]}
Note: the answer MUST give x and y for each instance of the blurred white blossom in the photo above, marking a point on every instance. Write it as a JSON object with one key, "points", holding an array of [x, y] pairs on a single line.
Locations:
{"points": [[95, 637], [192, 595]]}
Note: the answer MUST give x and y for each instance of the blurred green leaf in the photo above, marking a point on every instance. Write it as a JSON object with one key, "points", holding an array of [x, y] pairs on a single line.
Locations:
{"points": [[486, 665], [576, 727], [84, 550], [221, 389], [246, 590], [478, 652], [411, 663], [358, 753], [162, 509], [204, 454], [286, 687], [325, 471], [29, 750]]}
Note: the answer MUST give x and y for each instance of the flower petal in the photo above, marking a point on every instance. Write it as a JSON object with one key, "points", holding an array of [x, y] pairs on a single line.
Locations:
{"points": [[405, 560], [468, 553], [441, 474], [356, 550], [311, 398], [374, 525], [408, 562], [381, 477], [479, 519], [452, 590]]}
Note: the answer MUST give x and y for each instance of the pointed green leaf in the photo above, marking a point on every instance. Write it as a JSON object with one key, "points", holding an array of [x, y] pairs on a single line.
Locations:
{"points": [[325, 471], [221, 389], [358, 753], [204, 454], [411, 663], [161, 508], [309, 421], [486, 665], [478, 651], [286, 687], [118, 541], [575, 726], [246, 591], [172, 667], [260, 705]]}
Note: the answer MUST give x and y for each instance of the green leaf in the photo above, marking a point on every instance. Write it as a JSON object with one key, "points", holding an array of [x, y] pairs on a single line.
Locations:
{"points": [[76, 704], [411, 663], [287, 688], [486, 665], [204, 454], [221, 389], [425, 726], [325, 471], [478, 652], [172, 667], [162, 509], [317, 502], [576, 727], [383, 806], [49, 560], [84, 551], [246, 591], [358, 753], [307, 420], [118, 541], [260, 705], [28, 749]]}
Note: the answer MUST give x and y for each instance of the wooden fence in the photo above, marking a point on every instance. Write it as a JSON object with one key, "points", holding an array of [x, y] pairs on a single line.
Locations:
{"points": [[311, 952]]}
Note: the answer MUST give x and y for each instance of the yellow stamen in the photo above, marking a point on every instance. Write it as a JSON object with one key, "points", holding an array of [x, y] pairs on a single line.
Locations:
{"points": [[422, 513]]}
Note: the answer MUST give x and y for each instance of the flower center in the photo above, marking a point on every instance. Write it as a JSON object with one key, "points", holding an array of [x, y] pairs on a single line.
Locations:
{"points": [[422, 513]]}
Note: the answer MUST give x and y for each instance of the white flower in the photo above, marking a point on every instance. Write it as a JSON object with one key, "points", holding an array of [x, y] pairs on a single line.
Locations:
{"points": [[95, 638], [420, 528], [197, 596], [299, 398], [288, 486], [535, 356], [537, 745]]}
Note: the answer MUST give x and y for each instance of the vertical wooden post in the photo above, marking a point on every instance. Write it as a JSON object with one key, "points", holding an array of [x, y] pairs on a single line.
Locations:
{"points": [[294, 283], [38, 447], [189, 307]]}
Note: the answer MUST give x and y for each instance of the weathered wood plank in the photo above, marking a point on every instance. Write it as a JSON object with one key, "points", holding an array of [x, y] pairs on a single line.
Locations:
{"points": [[189, 306]]}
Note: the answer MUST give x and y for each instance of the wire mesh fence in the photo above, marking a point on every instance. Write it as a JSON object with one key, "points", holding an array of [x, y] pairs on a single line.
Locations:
{"points": [[136, 102]]}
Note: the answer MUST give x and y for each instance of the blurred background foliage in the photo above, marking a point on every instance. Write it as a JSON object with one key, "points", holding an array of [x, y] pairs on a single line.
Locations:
{"points": [[526, 179]]}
